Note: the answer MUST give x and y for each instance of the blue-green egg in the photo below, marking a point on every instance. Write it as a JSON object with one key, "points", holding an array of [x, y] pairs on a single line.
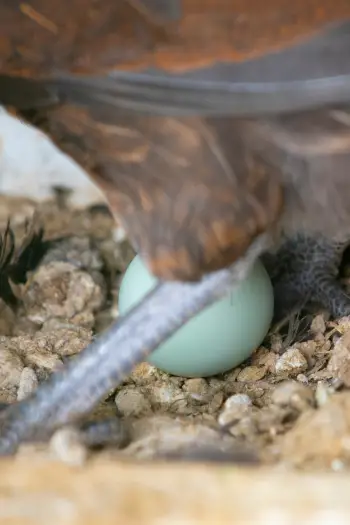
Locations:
{"points": [[219, 338]]}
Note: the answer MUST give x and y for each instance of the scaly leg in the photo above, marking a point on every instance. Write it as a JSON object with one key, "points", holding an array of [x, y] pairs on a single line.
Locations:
{"points": [[304, 270]]}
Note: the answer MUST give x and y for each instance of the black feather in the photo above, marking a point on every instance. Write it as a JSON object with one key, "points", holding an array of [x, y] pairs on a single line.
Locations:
{"points": [[15, 264]]}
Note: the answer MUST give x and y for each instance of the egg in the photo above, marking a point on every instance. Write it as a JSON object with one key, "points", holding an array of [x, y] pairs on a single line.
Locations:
{"points": [[219, 338]]}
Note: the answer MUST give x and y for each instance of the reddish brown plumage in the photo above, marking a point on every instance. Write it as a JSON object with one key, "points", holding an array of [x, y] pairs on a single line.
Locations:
{"points": [[190, 196], [191, 201], [96, 36]]}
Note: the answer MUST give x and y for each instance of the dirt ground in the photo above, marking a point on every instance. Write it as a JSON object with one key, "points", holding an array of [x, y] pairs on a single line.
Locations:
{"points": [[288, 406]]}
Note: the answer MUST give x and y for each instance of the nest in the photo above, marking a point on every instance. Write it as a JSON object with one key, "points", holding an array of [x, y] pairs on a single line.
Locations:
{"points": [[270, 434]]}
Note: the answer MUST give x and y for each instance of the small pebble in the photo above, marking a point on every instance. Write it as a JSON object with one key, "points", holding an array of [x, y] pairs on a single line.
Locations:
{"points": [[337, 465], [167, 397], [77, 251], [292, 362], [67, 342], [216, 385], [215, 403], [237, 399], [59, 289], [251, 373], [302, 378], [320, 437], [318, 324], [197, 388], [234, 411], [240, 423], [339, 363], [308, 348], [294, 394], [143, 374], [343, 324], [44, 349], [265, 358], [42, 359], [132, 402], [254, 392], [66, 445], [276, 342], [28, 383], [231, 377], [322, 394], [156, 436], [11, 367]]}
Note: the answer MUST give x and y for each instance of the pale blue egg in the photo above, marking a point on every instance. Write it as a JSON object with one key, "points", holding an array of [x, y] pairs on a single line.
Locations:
{"points": [[219, 338]]}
